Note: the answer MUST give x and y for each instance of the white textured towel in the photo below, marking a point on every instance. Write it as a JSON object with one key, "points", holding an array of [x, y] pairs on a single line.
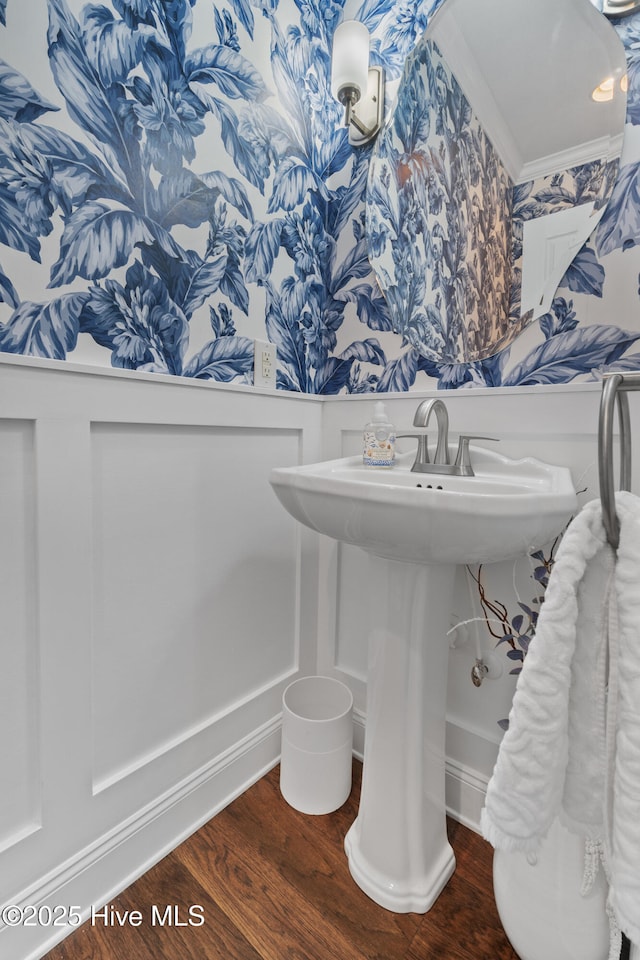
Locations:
{"points": [[572, 749]]}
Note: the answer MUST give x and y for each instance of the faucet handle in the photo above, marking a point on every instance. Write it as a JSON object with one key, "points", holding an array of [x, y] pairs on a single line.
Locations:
{"points": [[422, 453], [463, 457]]}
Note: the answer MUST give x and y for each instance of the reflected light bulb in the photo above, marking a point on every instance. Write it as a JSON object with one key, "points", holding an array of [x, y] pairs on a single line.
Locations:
{"points": [[604, 91]]}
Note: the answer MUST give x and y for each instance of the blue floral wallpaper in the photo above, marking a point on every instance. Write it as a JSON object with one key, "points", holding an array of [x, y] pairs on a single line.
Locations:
{"points": [[175, 180]]}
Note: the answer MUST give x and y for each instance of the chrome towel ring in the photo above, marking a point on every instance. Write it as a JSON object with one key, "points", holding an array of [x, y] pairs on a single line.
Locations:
{"points": [[614, 388]]}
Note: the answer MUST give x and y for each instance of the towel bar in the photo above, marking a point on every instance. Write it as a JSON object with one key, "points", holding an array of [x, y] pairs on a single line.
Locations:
{"points": [[614, 387]]}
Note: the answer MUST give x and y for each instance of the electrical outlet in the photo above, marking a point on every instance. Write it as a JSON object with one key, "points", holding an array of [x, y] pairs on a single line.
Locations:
{"points": [[264, 364]]}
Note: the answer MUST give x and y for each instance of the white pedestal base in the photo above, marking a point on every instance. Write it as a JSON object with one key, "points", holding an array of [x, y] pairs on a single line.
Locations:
{"points": [[397, 848]]}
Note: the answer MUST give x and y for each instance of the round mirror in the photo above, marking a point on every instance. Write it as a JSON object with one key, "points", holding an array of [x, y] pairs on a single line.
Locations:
{"points": [[493, 169]]}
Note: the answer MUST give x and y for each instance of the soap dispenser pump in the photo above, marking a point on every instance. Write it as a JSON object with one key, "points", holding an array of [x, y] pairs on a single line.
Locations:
{"points": [[379, 440]]}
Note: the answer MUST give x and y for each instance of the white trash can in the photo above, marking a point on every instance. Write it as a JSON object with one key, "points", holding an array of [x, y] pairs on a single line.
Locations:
{"points": [[317, 744]]}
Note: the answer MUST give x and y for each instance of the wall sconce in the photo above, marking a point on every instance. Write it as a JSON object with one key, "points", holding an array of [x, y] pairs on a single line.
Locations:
{"points": [[358, 87]]}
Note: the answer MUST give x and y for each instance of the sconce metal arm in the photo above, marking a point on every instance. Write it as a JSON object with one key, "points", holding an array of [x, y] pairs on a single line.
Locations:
{"points": [[364, 113]]}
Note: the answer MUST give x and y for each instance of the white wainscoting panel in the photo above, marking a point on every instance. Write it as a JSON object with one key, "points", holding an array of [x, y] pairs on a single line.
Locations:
{"points": [[214, 616], [20, 748], [156, 600]]}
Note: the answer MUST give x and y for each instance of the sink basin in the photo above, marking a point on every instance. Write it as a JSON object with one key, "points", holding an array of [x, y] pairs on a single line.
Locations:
{"points": [[416, 527], [506, 509]]}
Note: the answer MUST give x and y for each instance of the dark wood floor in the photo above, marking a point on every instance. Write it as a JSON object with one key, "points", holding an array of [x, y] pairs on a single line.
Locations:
{"points": [[274, 884]]}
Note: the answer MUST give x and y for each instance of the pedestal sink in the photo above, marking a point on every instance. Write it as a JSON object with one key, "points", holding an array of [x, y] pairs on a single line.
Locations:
{"points": [[416, 528]]}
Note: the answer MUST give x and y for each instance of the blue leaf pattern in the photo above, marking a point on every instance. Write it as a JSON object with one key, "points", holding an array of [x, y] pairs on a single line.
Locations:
{"points": [[149, 235], [44, 329], [200, 280], [18, 100], [585, 274], [262, 247], [564, 356], [222, 359], [96, 240], [140, 323], [233, 75], [113, 48], [244, 13], [94, 108], [620, 224], [8, 292]]}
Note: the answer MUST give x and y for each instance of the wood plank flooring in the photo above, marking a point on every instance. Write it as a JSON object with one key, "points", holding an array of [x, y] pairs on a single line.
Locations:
{"points": [[273, 884]]}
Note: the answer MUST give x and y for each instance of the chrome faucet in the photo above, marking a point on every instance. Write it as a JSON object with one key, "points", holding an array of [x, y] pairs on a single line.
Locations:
{"points": [[441, 463], [421, 419]]}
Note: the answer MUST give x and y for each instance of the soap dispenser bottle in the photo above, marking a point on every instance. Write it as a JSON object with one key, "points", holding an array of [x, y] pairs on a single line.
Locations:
{"points": [[379, 440]]}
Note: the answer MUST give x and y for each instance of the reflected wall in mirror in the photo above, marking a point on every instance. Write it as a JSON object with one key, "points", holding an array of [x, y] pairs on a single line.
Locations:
{"points": [[493, 169]]}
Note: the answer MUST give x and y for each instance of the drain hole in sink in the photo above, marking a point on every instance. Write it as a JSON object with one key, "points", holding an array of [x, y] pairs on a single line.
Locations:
{"points": [[429, 486]]}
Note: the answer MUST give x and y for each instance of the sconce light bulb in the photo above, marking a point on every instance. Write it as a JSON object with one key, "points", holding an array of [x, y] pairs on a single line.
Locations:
{"points": [[350, 62]]}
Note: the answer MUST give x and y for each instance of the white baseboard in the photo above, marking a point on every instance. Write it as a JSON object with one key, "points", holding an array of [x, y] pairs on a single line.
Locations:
{"points": [[100, 872], [359, 720], [465, 790]]}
